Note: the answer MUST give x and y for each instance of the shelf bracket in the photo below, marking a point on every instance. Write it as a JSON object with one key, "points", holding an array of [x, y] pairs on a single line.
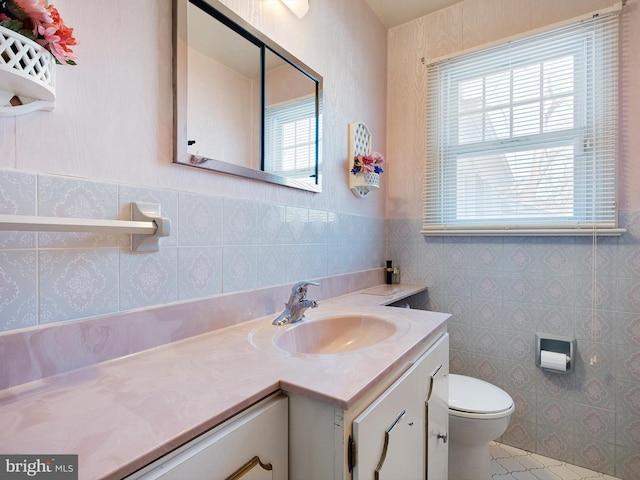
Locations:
{"points": [[148, 212]]}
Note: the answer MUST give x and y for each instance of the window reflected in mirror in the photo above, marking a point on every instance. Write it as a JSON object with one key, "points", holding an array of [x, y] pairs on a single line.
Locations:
{"points": [[292, 126]]}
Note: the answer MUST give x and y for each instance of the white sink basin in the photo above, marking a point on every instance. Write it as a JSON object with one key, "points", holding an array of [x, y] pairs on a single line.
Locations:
{"points": [[334, 334]]}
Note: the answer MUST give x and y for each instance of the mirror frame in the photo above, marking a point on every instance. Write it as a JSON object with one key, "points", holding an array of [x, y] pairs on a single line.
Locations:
{"points": [[180, 70]]}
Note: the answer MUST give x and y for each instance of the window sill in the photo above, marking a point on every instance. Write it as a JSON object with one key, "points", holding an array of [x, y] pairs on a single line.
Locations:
{"points": [[521, 232]]}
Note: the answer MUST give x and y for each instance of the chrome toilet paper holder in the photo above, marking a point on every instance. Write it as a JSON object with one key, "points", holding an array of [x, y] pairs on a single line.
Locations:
{"points": [[557, 344]]}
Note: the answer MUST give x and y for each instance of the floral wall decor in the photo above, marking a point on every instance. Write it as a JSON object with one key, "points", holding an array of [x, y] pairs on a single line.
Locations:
{"points": [[367, 165], [33, 38], [41, 23]]}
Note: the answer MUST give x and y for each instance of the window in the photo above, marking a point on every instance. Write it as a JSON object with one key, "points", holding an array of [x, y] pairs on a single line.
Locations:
{"points": [[291, 128], [522, 136]]}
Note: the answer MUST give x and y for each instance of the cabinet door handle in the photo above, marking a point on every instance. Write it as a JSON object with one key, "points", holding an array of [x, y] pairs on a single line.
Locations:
{"points": [[443, 437], [383, 455], [247, 467], [431, 378]]}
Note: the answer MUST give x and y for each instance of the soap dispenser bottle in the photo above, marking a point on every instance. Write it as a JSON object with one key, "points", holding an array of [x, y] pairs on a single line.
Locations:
{"points": [[395, 278]]}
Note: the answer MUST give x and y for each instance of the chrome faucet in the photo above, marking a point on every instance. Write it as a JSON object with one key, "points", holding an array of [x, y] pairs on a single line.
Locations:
{"points": [[297, 304]]}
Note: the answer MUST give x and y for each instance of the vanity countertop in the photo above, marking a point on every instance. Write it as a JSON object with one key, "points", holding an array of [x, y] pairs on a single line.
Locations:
{"points": [[121, 414]]}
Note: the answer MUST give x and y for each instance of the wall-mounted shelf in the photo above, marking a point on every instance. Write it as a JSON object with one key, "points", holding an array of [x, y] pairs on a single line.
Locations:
{"points": [[146, 226], [360, 144], [27, 71]]}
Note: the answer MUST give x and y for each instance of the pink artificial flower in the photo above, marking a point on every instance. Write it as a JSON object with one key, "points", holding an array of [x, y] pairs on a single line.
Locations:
{"points": [[377, 158], [58, 37], [370, 163], [366, 163], [37, 12]]}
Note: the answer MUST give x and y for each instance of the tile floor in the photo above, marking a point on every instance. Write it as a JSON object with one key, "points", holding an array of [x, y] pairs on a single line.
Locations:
{"points": [[509, 463]]}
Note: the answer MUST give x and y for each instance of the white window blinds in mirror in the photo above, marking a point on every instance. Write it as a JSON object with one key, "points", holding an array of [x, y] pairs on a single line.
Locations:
{"points": [[522, 136], [291, 132]]}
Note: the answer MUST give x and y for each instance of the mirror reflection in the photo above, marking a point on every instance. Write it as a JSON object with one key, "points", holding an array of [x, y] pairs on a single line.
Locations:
{"points": [[291, 126], [243, 105], [223, 92]]}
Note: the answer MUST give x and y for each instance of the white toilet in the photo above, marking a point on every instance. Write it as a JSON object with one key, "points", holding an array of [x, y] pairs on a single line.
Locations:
{"points": [[479, 412]]}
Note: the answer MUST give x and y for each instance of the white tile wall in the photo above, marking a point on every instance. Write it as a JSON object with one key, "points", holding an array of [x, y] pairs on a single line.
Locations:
{"points": [[502, 290], [217, 245]]}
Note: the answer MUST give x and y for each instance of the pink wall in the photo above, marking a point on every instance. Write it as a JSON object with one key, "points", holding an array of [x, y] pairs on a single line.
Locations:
{"points": [[475, 22], [113, 116]]}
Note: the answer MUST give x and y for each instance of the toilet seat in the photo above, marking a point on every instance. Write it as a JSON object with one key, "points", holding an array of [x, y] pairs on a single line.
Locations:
{"points": [[474, 398]]}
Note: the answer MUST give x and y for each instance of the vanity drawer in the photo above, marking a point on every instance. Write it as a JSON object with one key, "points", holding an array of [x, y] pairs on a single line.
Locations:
{"points": [[250, 446]]}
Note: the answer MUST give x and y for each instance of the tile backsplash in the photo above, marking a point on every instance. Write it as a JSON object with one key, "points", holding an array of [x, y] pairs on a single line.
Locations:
{"points": [[217, 245]]}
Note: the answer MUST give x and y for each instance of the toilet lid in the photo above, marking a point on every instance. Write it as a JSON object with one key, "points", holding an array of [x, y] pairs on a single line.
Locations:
{"points": [[468, 394]]}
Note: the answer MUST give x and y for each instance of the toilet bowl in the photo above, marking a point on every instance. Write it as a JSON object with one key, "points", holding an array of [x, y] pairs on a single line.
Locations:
{"points": [[479, 412]]}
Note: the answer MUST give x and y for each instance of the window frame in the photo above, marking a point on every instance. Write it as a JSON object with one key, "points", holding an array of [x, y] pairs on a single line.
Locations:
{"points": [[440, 204]]}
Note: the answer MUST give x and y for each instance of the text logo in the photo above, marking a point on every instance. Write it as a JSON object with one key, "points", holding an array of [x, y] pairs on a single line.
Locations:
{"points": [[39, 467]]}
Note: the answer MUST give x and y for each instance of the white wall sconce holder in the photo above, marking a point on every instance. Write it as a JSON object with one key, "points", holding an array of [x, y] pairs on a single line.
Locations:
{"points": [[27, 75], [360, 144]]}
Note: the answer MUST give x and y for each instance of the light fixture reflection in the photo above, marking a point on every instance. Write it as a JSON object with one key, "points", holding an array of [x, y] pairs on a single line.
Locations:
{"points": [[299, 7]]}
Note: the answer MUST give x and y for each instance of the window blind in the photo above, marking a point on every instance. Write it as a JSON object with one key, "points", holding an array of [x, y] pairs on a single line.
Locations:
{"points": [[290, 130], [522, 136]]}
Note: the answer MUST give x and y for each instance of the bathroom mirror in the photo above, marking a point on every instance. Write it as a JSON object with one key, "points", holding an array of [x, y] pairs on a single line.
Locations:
{"points": [[242, 104]]}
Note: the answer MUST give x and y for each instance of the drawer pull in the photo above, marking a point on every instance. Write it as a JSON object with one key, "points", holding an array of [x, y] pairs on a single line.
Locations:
{"points": [[247, 467]]}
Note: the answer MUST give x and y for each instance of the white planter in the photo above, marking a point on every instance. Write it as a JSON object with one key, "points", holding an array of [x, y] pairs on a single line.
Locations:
{"points": [[362, 183], [360, 144], [27, 72]]}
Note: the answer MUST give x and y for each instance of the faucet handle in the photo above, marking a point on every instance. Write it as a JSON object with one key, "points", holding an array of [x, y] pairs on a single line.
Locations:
{"points": [[300, 289]]}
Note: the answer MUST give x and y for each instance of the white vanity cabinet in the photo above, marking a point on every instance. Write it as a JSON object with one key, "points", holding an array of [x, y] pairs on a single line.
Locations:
{"points": [[250, 446], [403, 433], [399, 433]]}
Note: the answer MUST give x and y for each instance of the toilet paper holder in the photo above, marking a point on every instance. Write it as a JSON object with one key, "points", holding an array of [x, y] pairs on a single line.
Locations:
{"points": [[556, 345]]}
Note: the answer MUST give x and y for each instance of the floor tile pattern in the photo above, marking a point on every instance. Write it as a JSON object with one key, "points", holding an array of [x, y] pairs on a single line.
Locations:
{"points": [[510, 463]]}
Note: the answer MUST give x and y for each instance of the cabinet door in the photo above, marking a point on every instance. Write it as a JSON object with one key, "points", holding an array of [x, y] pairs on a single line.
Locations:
{"points": [[389, 434], [400, 444], [251, 446], [438, 414]]}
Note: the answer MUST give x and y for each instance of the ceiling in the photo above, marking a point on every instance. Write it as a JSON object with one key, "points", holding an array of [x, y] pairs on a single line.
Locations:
{"points": [[397, 12]]}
